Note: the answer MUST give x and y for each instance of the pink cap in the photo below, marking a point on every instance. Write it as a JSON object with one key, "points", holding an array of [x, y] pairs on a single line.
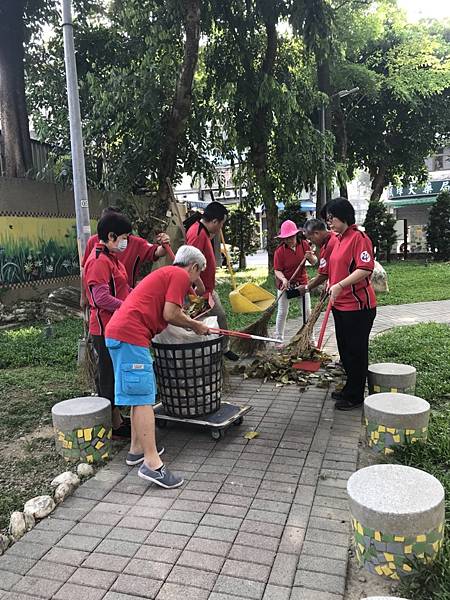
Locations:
{"points": [[288, 229]]}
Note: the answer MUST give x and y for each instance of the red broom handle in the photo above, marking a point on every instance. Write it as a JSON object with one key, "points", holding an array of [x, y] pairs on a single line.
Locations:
{"points": [[324, 325], [169, 251]]}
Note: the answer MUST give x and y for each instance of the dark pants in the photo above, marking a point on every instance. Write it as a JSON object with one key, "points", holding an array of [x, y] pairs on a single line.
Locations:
{"points": [[104, 380], [352, 334]]}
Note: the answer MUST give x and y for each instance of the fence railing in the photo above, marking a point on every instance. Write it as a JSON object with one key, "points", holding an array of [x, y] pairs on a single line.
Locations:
{"points": [[40, 152]]}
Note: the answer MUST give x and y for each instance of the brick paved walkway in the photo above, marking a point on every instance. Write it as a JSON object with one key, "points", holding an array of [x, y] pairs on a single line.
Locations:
{"points": [[261, 519]]}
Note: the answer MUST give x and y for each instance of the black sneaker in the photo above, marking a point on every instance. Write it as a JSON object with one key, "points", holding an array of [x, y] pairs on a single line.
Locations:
{"points": [[337, 395], [231, 355], [123, 432], [347, 405]]}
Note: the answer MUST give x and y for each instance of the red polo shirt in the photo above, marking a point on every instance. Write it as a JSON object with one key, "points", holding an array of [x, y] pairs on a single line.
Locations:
{"points": [[353, 251], [325, 252], [287, 259], [140, 317], [138, 251], [197, 235], [103, 267]]}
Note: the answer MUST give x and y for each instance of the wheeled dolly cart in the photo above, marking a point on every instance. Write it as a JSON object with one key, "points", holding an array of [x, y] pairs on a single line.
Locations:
{"points": [[217, 422]]}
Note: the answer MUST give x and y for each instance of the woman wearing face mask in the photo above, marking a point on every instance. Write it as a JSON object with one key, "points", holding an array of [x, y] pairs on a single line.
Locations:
{"points": [[106, 285]]}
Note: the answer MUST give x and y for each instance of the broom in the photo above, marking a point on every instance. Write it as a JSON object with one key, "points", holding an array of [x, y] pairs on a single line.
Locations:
{"points": [[260, 327], [300, 344]]}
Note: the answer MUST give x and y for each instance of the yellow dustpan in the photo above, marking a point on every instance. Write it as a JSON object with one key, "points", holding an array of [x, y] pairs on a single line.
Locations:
{"points": [[249, 297]]}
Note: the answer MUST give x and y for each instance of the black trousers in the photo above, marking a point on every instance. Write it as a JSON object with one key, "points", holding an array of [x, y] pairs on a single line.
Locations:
{"points": [[352, 334], [104, 380]]}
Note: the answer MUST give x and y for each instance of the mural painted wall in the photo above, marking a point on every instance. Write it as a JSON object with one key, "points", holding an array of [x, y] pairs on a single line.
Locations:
{"points": [[36, 248]]}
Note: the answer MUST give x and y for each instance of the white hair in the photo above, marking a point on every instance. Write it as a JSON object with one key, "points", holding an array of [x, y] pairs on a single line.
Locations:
{"points": [[189, 255]]}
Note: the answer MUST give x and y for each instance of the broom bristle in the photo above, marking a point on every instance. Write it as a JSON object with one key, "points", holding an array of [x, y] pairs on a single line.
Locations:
{"points": [[259, 327], [300, 344]]}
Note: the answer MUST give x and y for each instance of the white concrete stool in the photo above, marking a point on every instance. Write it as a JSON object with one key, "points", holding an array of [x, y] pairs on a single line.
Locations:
{"points": [[391, 377], [397, 518], [395, 420], [83, 428]]}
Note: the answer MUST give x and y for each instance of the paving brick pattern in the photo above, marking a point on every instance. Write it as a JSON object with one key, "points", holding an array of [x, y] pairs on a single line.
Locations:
{"points": [[264, 519]]}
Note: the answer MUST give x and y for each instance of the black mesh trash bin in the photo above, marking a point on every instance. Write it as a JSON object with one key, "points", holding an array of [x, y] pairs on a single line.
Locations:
{"points": [[189, 377]]}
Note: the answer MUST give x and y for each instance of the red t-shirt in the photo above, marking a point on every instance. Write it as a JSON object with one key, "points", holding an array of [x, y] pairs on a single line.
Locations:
{"points": [[137, 252], [287, 260], [197, 235], [140, 317], [103, 267], [325, 252], [353, 251]]}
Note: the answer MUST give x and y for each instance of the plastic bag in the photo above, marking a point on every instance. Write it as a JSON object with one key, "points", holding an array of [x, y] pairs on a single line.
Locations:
{"points": [[179, 335]]}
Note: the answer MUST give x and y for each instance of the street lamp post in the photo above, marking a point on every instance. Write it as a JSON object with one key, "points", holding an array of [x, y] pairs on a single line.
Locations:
{"points": [[340, 94], [76, 139]]}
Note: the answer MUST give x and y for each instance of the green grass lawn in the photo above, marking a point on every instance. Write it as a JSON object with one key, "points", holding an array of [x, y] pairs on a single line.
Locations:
{"points": [[416, 282], [427, 347], [35, 373]]}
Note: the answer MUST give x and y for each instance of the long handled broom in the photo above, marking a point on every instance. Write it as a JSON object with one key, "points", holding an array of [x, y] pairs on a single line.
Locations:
{"points": [[260, 326], [300, 345]]}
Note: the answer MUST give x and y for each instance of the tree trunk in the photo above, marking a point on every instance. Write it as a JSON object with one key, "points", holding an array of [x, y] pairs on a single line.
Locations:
{"points": [[181, 106], [378, 176], [324, 85], [13, 111], [259, 151]]}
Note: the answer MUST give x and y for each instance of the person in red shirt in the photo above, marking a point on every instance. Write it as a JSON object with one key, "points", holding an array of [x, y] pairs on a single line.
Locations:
{"points": [[317, 233], [288, 256], [137, 252], [154, 303], [200, 231], [354, 303], [106, 287]]}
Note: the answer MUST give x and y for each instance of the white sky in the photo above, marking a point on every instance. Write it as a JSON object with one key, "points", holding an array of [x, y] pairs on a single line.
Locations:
{"points": [[420, 9]]}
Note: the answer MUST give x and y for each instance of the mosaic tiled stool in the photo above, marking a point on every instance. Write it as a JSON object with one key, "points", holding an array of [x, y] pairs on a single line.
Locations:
{"points": [[397, 516], [391, 377], [395, 420], [83, 428]]}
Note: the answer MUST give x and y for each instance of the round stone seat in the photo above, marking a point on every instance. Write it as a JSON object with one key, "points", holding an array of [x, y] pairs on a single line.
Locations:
{"points": [[393, 419], [83, 428], [391, 377], [397, 516]]}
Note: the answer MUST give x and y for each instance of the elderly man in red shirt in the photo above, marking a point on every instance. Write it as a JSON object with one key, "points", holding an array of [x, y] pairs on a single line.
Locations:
{"points": [[200, 231], [317, 233], [154, 303], [288, 256]]}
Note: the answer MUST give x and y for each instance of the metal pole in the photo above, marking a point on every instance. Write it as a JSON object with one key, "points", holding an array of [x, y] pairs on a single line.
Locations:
{"points": [[324, 157], [76, 140]]}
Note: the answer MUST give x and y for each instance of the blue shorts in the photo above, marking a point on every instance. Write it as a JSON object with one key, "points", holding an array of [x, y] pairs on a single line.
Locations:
{"points": [[135, 383]]}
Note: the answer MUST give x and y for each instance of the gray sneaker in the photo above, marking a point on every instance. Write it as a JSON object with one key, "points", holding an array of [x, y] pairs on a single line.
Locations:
{"points": [[162, 477], [135, 459]]}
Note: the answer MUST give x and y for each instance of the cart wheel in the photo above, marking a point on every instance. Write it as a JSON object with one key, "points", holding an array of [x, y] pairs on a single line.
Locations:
{"points": [[238, 421], [217, 434], [161, 424]]}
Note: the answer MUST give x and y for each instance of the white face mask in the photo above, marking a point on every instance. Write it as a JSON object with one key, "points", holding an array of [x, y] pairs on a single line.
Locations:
{"points": [[122, 245]]}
